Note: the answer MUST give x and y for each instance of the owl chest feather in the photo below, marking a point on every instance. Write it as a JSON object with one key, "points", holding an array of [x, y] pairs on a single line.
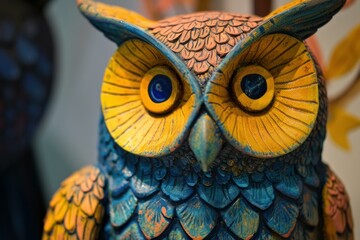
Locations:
{"points": [[239, 198]]}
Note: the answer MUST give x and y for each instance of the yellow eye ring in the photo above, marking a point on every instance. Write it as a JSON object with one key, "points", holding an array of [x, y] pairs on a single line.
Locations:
{"points": [[254, 88], [160, 89]]}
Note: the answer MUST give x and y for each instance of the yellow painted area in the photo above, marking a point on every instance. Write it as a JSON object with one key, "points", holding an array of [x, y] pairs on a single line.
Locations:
{"points": [[114, 12], [340, 124], [345, 56], [76, 210], [287, 114], [344, 59], [253, 105], [136, 123]]}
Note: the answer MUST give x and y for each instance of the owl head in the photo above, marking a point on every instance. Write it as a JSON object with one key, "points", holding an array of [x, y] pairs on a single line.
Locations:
{"points": [[213, 78]]}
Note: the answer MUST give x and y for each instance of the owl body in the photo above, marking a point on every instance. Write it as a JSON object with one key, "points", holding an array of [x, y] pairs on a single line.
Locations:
{"points": [[171, 198], [212, 127]]}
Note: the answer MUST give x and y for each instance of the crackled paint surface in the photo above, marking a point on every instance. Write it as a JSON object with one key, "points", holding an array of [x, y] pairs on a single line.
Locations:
{"points": [[266, 180]]}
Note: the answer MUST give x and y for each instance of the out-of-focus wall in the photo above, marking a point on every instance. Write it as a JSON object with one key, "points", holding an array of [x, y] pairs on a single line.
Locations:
{"points": [[68, 138]]}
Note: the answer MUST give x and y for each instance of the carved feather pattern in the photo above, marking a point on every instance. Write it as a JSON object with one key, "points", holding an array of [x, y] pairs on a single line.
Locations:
{"points": [[171, 197], [203, 40], [76, 211], [337, 212]]}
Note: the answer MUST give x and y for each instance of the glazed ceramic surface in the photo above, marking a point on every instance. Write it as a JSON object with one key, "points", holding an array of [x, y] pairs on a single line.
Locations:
{"points": [[212, 128]]}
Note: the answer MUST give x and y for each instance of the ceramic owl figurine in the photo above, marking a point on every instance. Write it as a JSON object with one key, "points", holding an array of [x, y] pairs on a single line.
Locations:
{"points": [[212, 127]]}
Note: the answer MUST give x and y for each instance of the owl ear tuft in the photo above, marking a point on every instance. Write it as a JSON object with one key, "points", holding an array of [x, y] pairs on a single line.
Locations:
{"points": [[302, 18], [117, 23]]}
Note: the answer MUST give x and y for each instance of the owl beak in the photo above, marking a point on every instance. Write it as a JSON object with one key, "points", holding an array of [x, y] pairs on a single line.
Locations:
{"points": [[205, 141]]}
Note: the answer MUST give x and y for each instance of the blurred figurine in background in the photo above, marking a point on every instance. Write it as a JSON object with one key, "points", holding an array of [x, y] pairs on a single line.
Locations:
{"points": [[212, 127], [26, 77]]}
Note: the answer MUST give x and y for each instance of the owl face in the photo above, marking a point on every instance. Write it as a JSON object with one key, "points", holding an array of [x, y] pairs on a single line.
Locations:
{"points": [[209, 79]]}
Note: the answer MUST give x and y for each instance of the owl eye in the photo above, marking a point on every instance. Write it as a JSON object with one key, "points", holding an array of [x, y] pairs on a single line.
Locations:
{"points": [[160, 90], [266, 99], [253, 88], [147, 100]]}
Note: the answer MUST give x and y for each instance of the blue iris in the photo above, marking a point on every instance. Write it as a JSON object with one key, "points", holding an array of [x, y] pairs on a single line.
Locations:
{"points": [[254, 86], [160, 88]]}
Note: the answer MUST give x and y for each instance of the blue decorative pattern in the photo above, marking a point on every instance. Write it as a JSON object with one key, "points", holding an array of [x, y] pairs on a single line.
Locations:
{"points": [[155, 216], [260, 194], [282, 217], [173, 193], [197, 219], [242, 219], [122, 208]]}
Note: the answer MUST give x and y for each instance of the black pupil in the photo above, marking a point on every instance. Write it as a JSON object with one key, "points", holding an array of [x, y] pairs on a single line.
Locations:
{"points": [[254, 86]]}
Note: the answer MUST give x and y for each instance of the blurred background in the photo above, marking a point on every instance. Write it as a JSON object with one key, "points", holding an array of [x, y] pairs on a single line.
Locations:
{"points": [[67, 138]]}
